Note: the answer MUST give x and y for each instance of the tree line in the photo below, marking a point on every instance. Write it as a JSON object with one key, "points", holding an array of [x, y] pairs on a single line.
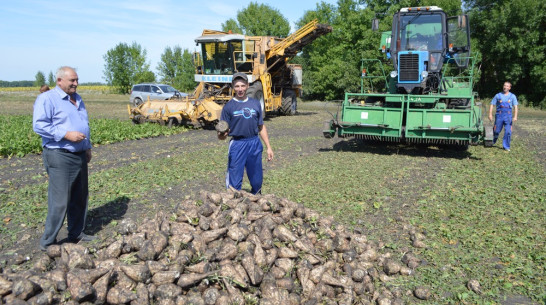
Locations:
{"points": [[507, 39]]}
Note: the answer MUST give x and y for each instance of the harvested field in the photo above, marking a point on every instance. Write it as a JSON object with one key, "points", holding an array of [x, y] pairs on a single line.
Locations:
{"points": [[475, 239]]}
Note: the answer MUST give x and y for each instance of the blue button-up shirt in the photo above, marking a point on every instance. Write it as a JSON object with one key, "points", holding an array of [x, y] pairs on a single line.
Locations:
{"points": [[54, 115]]}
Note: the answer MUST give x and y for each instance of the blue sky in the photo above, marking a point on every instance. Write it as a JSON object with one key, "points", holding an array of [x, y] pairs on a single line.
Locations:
{"points": [[39, 35]]}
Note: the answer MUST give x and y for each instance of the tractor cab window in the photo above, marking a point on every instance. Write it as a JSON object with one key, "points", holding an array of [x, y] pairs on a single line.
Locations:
{"points": [[218, 57], [458, 37], [243, 52], [421, 32]]}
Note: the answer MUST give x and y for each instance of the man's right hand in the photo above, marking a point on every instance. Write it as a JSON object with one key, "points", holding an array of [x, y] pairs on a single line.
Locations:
{"points": [[222, 135], [490, 118], [74, 136]]}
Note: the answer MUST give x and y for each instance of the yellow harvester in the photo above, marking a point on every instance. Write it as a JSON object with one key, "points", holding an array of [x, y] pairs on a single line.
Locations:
{"points": [[273, 81]]}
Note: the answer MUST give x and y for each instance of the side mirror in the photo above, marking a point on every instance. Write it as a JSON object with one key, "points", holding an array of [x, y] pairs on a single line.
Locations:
{"points": [[375, 24]]}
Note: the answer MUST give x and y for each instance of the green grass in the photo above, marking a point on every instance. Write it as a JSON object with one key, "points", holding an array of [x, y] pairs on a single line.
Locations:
{"points": [[27, 207], [18, 139]]}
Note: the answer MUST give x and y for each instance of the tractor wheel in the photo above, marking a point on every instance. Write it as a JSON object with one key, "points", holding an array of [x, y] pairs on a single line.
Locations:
{"points": [[288, 106], [327, 130], [137, 119], [256, 91], [488, 140], [137, 102], [172, 122]]}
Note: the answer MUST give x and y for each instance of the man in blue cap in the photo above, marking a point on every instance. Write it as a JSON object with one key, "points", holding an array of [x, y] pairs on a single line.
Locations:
{"points": [[245, 119]]}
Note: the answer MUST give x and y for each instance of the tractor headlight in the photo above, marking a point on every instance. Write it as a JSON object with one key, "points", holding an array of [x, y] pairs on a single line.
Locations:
{"points": [[394, 74], [424, 74]]}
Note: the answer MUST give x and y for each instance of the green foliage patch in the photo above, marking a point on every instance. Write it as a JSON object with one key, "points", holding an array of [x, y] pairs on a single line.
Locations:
{"points": [[18, 139]]}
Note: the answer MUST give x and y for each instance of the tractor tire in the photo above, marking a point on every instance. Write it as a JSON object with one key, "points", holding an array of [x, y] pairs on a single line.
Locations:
{"points": [[137, 119], [288, 106], [327, 130], [488, 135], [137, 102], [256, 91], [172, 122]]}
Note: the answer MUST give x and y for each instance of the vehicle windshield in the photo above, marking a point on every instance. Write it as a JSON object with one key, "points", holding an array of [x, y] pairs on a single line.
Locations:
{"points": [[218, 56], [421, 32], [167, 89]]}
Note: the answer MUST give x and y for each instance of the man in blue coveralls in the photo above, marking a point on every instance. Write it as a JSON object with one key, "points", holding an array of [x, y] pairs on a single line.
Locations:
{"points": [[505, 102], [246, 126]]}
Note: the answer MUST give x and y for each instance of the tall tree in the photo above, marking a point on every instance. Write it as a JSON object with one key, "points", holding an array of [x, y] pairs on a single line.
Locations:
{"points": [[512, 41], [232, 25], [176, 68], [39, 79], [51, 81], [258, 20], [331, 64], [126, 65]]}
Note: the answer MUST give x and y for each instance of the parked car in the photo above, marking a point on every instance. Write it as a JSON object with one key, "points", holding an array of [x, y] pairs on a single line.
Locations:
{"points": [[141, 92]]}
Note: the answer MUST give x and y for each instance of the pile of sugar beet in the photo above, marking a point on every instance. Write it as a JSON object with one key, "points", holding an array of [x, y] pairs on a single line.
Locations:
{"points": [[227, 248]]}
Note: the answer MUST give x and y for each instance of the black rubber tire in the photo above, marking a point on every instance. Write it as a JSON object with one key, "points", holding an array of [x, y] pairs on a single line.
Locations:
{"points": [[256, 91], [326, 130], [138, 119], [288, 100], [488, 135], [172, 122], [137, 101]]}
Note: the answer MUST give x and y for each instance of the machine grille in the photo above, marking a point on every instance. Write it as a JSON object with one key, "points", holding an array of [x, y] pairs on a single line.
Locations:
{"points": [[409, 67]]}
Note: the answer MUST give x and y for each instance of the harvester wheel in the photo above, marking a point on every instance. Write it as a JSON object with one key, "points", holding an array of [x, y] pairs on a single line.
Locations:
{"points": [[172, 122], [327, 130], [488, 140], [288, 106], [137, 102], [256, 91], [138, 119]]}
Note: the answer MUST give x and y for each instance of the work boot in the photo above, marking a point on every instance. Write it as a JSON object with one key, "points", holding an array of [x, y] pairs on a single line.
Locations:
{"points": [[83, 237]]}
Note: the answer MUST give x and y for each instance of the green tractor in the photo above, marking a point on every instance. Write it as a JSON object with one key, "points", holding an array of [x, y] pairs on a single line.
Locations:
{"points": [[427, 98]]}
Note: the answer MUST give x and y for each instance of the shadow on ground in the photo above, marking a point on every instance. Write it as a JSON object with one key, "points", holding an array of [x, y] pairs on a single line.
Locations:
{"points": [[386, 148], [100, 217]]}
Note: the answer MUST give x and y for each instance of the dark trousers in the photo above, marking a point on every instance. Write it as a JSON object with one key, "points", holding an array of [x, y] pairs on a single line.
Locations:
{"points": [[67, 193]]}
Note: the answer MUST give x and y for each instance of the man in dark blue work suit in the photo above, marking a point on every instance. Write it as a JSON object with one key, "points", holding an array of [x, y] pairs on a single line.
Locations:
{"points": [[245, 119], [505, 102]]}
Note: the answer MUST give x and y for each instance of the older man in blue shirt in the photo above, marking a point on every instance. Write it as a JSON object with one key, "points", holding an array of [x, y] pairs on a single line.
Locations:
{"points": [[61, 119]]}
